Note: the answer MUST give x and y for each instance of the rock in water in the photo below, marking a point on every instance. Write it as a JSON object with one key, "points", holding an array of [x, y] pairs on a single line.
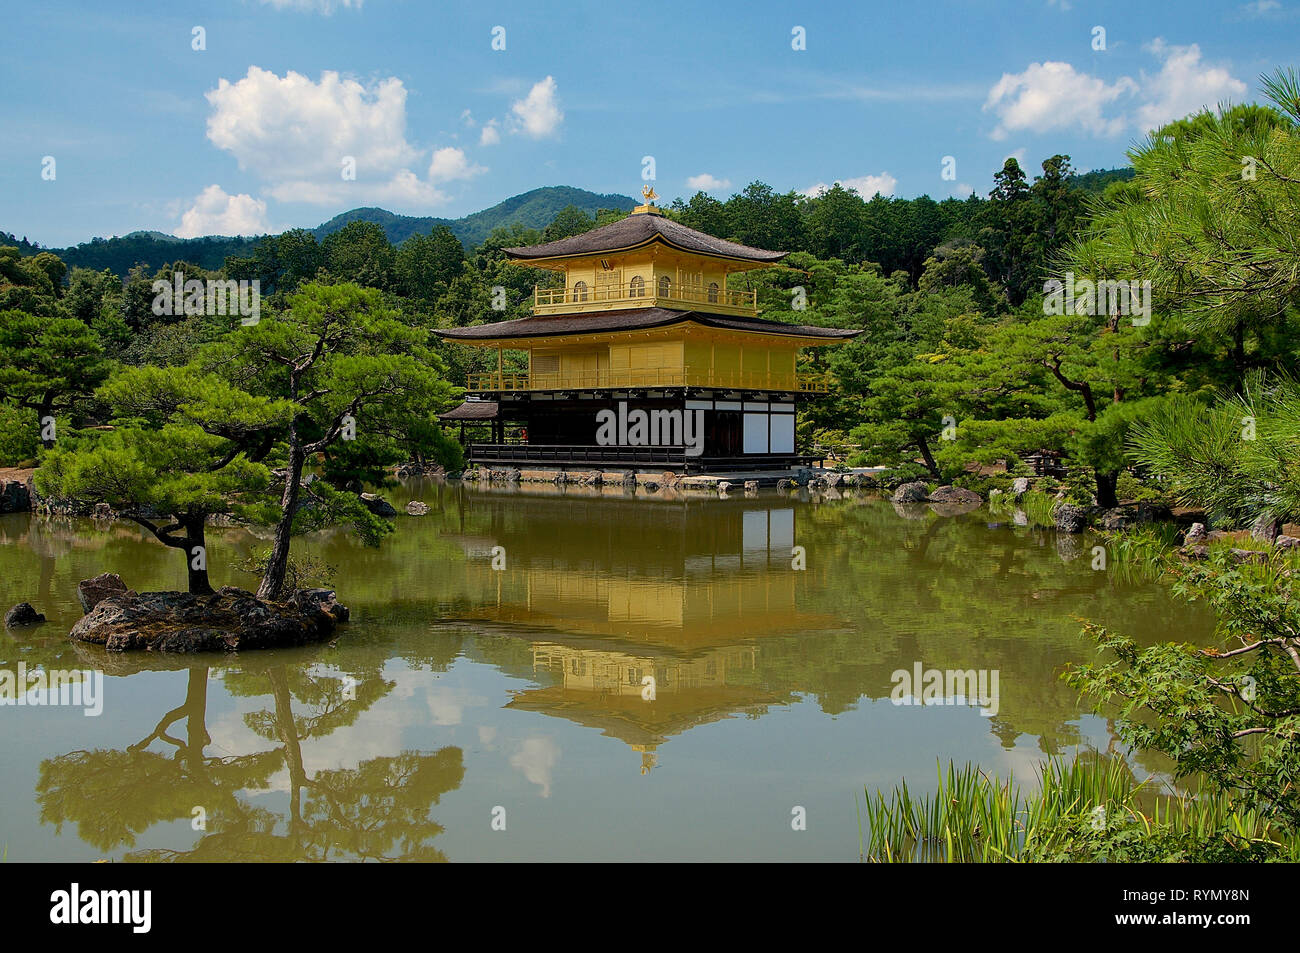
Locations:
{"points": [[911, 493], [22, 614], [378, 505], [416, 508], [14, 497], [1019, 487], [1069, 518], [92, 592], [230, 620], [955, 494]]}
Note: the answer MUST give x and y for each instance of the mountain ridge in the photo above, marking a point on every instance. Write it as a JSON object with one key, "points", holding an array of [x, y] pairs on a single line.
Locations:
{"points": [[532, 209]]}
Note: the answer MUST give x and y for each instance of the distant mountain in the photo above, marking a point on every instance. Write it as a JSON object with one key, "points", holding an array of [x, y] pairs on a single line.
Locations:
{"points": [[154, 249], [1095, 182], [535, 209]]}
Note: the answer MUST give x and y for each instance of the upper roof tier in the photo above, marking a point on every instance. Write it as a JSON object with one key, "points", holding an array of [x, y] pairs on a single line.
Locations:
{"points": [[642, 228]]}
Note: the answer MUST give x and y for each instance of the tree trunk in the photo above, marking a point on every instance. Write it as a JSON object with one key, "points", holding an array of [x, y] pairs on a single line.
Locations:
{"points": [[196, 557], [288, 731], [192, 546], [278, 564], [1106, 483], [46, 410], [924, 446]]}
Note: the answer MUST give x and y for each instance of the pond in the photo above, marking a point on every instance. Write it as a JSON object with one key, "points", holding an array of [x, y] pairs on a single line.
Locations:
{"points": [[534, 674]]}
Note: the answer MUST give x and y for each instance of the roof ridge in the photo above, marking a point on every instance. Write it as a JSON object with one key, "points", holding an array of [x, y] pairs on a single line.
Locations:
{"points": [[636, 230]]}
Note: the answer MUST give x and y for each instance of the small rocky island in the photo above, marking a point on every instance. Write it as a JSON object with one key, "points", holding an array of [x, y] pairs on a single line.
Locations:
{"points": [[228, 620]]}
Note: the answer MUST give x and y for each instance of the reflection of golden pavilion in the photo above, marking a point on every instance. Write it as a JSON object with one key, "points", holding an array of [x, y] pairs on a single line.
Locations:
{"points": [[683, 576], [610, 690], [631, 593]]}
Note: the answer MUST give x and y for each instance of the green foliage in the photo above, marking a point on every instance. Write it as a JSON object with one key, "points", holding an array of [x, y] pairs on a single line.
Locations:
{"points": [[1226, 713], [1239, 457], [426, 265], [360, 252], [1212, 226], [20, 430], [570, 221], [48, 364]]}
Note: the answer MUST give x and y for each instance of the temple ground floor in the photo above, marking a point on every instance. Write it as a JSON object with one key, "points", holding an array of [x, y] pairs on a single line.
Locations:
{"points": [[683, 431]]}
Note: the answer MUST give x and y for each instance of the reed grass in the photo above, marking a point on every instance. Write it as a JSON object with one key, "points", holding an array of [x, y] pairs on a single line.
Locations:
{"points": [[1038, 508], [976, 818]]}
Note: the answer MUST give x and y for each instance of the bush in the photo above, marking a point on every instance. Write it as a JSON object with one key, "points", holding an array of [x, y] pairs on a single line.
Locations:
{"points": [[984, 485], [1130, 489], [20, 434], [907, 473], [302, 572], [1080, 487]]}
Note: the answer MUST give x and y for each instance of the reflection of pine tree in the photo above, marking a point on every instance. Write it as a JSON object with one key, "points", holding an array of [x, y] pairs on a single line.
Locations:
{"points": [[378, 810], [115, 795]]}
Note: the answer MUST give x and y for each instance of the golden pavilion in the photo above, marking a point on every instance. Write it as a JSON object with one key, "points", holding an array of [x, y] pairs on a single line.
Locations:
{"points": [[644, 324]]}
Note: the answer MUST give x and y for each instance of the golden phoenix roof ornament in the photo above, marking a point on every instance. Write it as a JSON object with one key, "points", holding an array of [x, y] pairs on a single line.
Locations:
{"points": [[649, 193]]}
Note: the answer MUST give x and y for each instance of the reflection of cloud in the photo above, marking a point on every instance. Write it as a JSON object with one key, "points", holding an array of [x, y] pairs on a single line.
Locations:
{"points": [[486, 734], [447, 706], [379, 732], [535, 759]]}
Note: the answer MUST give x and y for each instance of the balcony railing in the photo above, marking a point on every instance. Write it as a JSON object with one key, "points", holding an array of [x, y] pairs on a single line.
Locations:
{"points": [[643, 295], [651, 377]]}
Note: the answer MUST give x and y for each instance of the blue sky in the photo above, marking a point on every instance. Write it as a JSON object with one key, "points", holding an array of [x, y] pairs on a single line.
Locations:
{"points": [[254, 132]]}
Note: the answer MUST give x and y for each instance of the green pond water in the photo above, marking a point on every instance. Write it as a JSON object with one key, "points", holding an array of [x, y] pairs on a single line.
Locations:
{"points": [[645, 679]]}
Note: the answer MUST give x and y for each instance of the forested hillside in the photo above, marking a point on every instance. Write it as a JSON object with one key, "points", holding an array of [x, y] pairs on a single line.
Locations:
{"points": [[534, 209]]}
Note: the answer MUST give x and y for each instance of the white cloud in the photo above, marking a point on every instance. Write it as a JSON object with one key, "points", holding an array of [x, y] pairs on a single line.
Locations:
{"points": [[315, 6], [450, 163], [707, 183], [1183, 85], [216, 213], [297, 134], [1055, 95], [865, 185], [964, 190], [404, 187], [490, 134], [1051, 95], [538, 114], [1260, 7]]}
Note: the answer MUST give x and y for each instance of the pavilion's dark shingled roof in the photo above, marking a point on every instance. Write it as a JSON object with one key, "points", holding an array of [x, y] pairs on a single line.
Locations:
{"points": [[472, 410], [635, 319], [637, 229]]}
